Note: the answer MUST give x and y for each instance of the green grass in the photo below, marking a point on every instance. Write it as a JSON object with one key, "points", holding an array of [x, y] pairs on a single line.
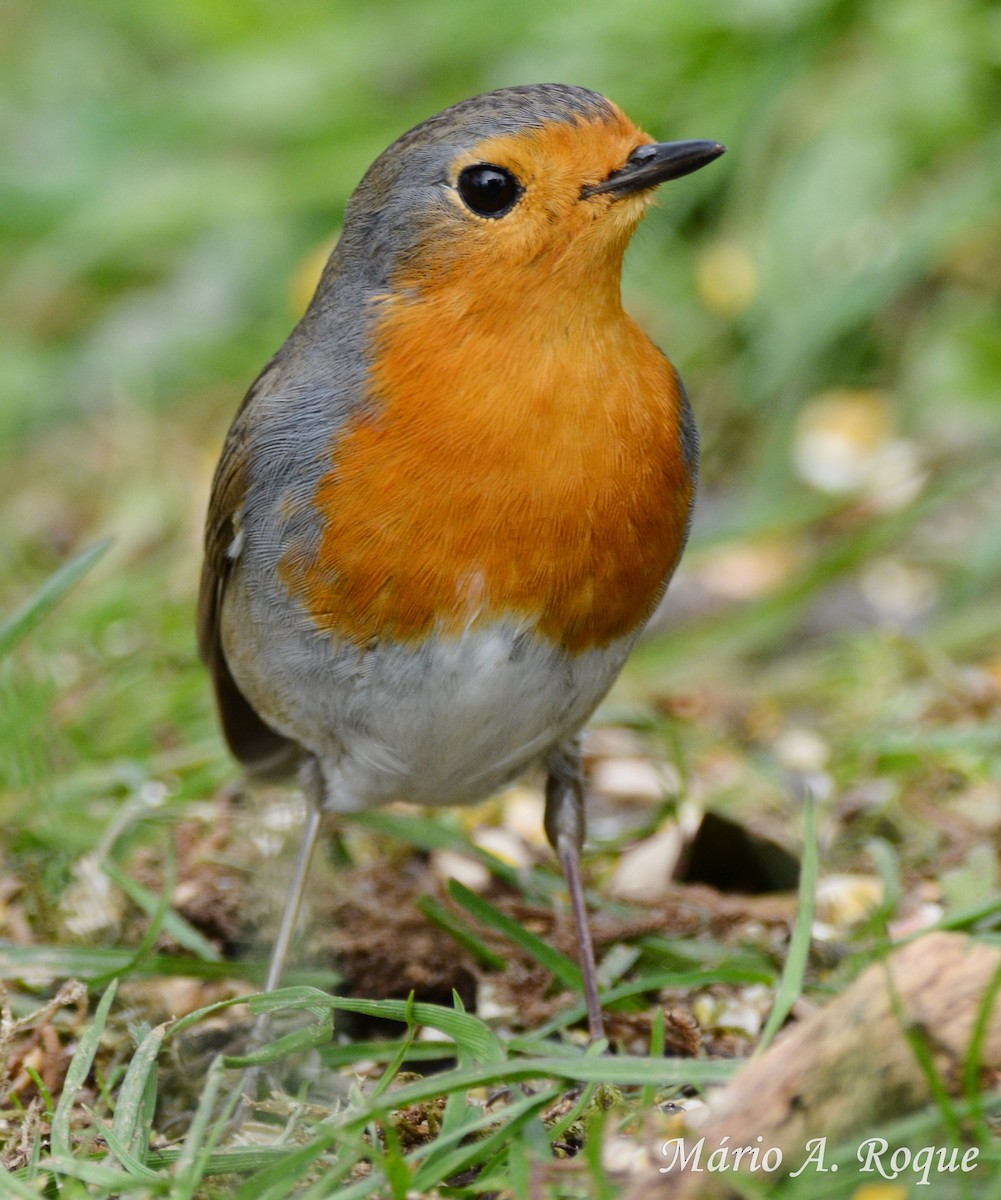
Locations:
{"points": [[171, 171]]}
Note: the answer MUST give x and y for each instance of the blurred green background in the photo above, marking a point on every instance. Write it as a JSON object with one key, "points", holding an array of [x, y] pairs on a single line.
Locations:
{"points": [[829, 291]]}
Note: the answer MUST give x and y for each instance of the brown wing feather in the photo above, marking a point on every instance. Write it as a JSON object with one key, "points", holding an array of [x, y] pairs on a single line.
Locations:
{"points": [[253, 742]]}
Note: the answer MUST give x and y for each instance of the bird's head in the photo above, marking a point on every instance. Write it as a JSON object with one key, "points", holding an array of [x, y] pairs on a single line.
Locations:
{"points": [[546, 179]]}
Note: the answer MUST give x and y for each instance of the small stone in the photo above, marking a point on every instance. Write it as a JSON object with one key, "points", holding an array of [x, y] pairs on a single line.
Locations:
{"points": [[632, 779], [844, 901], [644, 870], [449, 864], [503, 844], [801, 749]]}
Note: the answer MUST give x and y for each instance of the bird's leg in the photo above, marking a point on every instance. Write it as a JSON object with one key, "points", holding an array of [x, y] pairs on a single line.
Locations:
{"points": [[290, 913], [564, 821], [286, 930]]}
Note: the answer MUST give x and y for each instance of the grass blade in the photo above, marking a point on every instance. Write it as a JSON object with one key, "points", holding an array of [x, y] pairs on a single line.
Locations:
{"points": [[469, 1033], [79, 1069], [93, 963], [23, 621], [461, 933], [13, 1187], [335, 1057], [791, 983], [115, 1183], [438, 1167], [137, 1097], [122, 1154], [297, 1042], [565, 971], [171, 922], [975, 1064], [200, 1141], [623, 1070], [274, 1181]]}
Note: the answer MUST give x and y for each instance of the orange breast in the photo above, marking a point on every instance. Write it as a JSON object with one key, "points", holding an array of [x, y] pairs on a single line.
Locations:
{"points": [[504, 466]]}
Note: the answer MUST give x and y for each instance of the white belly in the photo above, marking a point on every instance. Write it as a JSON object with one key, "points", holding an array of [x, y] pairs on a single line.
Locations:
{"points": [[447, 722]]}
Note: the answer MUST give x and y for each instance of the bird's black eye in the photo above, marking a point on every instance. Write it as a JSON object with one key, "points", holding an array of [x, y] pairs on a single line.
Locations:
{"points": [[488, 191]]}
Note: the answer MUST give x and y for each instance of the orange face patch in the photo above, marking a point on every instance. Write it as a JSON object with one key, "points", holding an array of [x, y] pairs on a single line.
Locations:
{"points": [[551, 226], [519, 455]]}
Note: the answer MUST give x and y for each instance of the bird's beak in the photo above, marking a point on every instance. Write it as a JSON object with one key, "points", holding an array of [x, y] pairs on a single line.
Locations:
{"points": [[655, 163]]}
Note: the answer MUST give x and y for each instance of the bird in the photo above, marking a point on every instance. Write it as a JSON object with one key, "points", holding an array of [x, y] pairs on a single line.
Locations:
{"points": [[450, 502]]}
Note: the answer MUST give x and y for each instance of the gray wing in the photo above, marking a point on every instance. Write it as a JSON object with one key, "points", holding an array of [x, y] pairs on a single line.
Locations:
{"points": [[252, 741]]}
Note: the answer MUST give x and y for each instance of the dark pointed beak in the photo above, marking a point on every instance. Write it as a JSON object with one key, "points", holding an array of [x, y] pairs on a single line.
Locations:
{"points": [[655, 163]]}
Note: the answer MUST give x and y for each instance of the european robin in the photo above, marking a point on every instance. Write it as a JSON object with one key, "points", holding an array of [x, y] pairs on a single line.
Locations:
{"points": [[452, 499]]}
